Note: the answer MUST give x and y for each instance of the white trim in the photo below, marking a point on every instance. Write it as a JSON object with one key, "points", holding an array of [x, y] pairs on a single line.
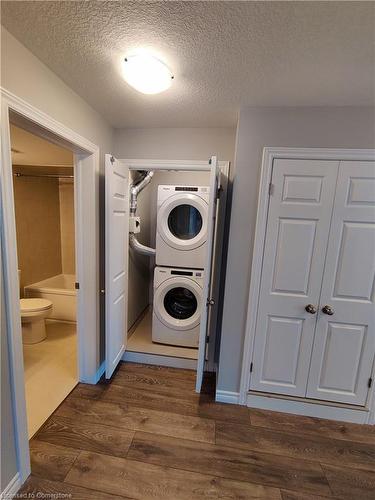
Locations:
{"points": [[87, 156], [227, 397], [307, 408], [269, 155], [12, 487], [98, 375], [190, 165], [155, 359]]}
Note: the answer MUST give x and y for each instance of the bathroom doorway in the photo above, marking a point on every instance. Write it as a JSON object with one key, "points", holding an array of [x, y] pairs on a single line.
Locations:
{"points": [[17, 112], [43, 188]]}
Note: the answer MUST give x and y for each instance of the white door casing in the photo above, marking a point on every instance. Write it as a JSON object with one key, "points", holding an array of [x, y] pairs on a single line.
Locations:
{"points": [[211, 225], [116, 260], [344, 347], [299, 213]]}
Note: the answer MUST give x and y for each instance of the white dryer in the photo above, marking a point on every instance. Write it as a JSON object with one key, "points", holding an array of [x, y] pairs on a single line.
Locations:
{"points": [[181, 229], [177, 306]]}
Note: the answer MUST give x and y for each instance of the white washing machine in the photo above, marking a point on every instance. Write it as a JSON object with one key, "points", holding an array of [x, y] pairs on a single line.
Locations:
{"points": [[181, 229], [177, 306]]}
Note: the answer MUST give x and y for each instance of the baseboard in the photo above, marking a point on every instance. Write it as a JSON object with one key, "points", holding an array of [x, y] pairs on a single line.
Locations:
{"points": [[357, 416], [155, 359], [99, 372], [96, 377], [11, 489], [227, 397]]}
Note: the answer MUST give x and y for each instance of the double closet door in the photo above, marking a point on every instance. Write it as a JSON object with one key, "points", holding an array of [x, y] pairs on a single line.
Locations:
{"points": [[315, 331]]}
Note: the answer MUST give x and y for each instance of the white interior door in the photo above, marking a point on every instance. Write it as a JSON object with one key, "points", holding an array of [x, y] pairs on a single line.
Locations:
{"points": [[208, 271], [344, 345], [300, 208], [116, 260]]}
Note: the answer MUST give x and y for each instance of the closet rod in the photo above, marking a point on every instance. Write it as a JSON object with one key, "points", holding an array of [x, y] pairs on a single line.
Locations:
{"points": [[53, 176]]}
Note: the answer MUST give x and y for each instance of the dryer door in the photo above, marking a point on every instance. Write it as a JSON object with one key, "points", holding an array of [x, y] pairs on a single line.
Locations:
{"points": [[182, 221], [178, 303]]}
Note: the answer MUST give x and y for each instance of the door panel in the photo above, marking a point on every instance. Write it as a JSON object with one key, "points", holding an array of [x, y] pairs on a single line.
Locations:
{"points": [[355, 282], [283, 343], [294, 252], [208, 271], [116, 262], [344, 346], [299, 215]]}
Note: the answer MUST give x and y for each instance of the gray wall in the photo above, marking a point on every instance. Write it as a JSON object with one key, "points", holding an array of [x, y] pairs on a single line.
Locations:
{"points": [[345, 127], [175, 143], [27, 77], [139, 265], [167, 144]]}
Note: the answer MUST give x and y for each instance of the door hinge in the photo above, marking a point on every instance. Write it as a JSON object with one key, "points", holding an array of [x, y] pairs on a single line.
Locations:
{"points": [[369, 383], [251, 367], [270, 188], [76, 285], [210, 302], [207, 339], [219, 191]]}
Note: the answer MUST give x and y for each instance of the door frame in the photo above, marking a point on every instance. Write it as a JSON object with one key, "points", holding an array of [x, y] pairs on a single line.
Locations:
{"points": [[269, 155], [193, 166], [86, 196]]}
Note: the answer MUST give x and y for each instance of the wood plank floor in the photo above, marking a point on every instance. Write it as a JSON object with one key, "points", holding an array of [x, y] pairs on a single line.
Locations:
{"points": [[148, 435]]}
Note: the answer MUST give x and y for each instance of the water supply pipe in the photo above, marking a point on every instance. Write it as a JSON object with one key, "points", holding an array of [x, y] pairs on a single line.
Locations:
{"points": [[135, 189]]}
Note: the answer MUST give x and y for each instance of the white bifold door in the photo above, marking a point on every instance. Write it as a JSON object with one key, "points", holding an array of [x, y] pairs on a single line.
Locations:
{"points": [[116, 263], [207, 296], [344, 346], [315, 333]]}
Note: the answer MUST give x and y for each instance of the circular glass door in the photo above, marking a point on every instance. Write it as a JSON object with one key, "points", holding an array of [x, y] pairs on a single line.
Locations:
{"points": [[182, 221], [185, 222], [180, 303]]}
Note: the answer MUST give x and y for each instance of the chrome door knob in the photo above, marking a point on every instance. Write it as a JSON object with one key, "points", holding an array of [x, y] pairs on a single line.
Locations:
{"points": [[310, 308], [328, 310]]}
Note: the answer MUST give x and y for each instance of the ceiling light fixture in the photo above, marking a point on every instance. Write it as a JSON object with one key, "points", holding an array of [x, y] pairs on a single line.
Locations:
{"points": [[146, 73]]}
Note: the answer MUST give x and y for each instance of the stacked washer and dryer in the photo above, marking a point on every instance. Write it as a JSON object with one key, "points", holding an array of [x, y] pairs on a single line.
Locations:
{"points": [[181, 241]]}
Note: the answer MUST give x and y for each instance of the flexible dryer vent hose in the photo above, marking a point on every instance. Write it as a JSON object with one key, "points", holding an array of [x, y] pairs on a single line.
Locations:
{"points": [[139, 247], [135, 189]]}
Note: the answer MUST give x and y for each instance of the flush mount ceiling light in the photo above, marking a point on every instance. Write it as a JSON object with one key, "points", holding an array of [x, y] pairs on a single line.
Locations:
{"points": [[146, 73]]}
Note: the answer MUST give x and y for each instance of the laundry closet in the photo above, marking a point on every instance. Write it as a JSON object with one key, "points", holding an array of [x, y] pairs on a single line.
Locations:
{"points": [[164, 237]]}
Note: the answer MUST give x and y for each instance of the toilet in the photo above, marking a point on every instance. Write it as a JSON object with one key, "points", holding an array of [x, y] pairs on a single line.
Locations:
{"points": [[33, 315]]}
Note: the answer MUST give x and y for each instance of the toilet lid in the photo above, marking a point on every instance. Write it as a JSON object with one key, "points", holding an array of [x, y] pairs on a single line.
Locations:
{"points": [[33, 305]]}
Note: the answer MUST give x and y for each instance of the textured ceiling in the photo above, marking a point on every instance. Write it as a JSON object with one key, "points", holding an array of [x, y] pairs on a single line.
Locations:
{"points": [[223, 54]]}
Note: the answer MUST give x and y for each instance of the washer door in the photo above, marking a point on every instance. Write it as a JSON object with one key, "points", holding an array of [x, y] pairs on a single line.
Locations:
{"points": [[178, 303], [182, 221]]}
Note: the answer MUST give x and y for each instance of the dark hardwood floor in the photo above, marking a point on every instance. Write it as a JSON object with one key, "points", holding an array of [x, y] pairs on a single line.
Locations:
{"points": [[148, 435]]}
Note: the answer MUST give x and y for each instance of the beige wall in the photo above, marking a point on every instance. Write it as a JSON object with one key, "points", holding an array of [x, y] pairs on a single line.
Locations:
{"points": [[66, 193], [38, 228]]}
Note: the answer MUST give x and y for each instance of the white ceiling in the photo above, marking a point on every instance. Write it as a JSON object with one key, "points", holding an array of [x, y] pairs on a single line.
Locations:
{"points": [[223, 55]]}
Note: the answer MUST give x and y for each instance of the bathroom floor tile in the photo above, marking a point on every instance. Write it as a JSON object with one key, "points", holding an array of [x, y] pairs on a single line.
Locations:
{"points": [[50, 372]]}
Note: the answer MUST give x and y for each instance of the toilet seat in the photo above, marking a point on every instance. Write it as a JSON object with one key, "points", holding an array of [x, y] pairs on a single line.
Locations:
{"points": [[34, 305]]}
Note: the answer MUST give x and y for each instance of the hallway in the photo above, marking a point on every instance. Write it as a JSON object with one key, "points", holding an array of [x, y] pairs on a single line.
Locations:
{"points": [[148, 435]]}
